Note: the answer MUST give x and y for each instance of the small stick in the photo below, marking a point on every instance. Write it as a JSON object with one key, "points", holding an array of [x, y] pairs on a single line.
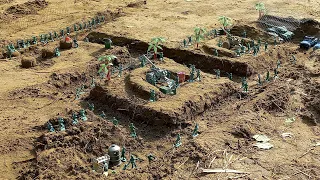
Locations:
{"points": [[212, 161]]}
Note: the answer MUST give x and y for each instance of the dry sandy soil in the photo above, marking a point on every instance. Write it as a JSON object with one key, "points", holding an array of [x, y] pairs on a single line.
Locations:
{"points": [[31, 97]]}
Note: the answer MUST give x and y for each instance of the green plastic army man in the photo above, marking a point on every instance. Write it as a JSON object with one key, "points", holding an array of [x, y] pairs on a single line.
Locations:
{"points": [[229, 75], [266, 46], [220, 43], [259, 80], [215, 52], [151, 157], [192, 73], [178, 141], [82, 114], [152, 95], [245, 87], [132, 130], [275, 73], [115, 121], [91, 106], [217, 73], [278, 64], [268, 76], [195, 132], [123, 157]]}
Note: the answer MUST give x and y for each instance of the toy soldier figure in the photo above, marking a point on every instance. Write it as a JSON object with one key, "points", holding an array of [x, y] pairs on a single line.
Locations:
{"points": [[220, 43], [18, 44], [195, 132], [268, 76], [189, 40], [123, 157], [91, 106], [132, 130], [192, 67], [78, 93], [243, 81], [83, 115], [28, 43], [259, 41], [115, 121], [80, 27], [198, 75], [243, 49], [34, 40], [238, 52], [244, 34], [266, 46], [103, 115], [152, 96], [249, 47], [259, 80], [215, 53], [278, 63], [98, 20], [217, 73], [229, 75], [133, 161], [68, 30], [75, 42], [184, 43], [61, 121], [245, 87], [56, 52], [55, 34], [151, 157], [10, 51], [23, 44], [255, 50], [61, 33], [75, 28], [215, 33], [51, 37], [50, 127], [178, 141], [275, 73], [107, 43], [102, 18], [74, 119]]}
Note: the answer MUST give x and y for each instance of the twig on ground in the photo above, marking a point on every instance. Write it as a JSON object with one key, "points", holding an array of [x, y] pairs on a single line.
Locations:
{"points": [[223, 171]]}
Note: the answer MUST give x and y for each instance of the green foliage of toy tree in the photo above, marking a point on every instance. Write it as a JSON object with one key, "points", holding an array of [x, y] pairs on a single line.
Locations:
{"points": [[261, 8], [107, 63], [225, 21], [199, 34], [155, 45]]}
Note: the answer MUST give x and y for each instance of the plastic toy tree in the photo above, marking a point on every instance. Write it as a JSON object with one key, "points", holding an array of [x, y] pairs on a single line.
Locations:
{"points": [[155, 45], [225, 21], [105, 67], [261, 8], [199, 34]]}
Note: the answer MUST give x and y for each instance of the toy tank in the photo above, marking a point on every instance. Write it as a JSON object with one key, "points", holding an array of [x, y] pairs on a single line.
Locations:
{"points": [[114, 153]]}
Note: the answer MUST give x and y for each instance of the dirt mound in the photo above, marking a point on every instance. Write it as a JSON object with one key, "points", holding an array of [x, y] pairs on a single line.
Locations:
{"points": [[138, 3], [47, 53], [65, 45], [307, 27], [28, 62], [312, 104], [30, 7]]}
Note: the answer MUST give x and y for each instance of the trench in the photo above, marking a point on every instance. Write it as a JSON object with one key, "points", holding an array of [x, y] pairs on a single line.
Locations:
{"points": [[205, 62]]}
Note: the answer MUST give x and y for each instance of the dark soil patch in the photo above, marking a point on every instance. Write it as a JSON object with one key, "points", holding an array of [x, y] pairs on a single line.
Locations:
{"points": [[29, 7], [137, 4]]}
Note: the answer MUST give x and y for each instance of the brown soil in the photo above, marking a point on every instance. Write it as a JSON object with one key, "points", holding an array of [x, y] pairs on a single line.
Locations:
{"points": [[227, 117]]}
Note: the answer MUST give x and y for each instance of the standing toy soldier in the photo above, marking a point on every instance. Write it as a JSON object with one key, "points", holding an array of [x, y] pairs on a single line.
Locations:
{"points": [[177, 81], [243, 81], [123, 157], [68, 30], [75, 42], [275, 73], [91, 106], [132, 130], [244, 34], [245, 87], [103, 115], [178, 141], [152, 96], [34, 40], [191, 79], [220, 43], [74, 118], [266, 46], [83, 115], [184, 43], [55, 34], [115, 121], [61, 121], [216, 53], [243, 49], [268, 76], [151, 157], [61, 33], [217, 73], [198, 75], [278, 63], [259, 42], [56, 52], [215, 33], [249, 47], [255, 50], [238, 52], [189, 40], [259, 80], [133, 161], [75, 28], [229, 75], [50, 127], [51, 37], [195, 132]]}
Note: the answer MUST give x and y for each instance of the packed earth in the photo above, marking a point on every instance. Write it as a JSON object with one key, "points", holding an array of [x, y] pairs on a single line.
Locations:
{"points": [[172, 89]]}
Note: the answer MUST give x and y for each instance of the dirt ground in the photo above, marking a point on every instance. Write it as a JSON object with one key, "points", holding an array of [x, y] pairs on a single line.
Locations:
{"points": [[32, 97]]}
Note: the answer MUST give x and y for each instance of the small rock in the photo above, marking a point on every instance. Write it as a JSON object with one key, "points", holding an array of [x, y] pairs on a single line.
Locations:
{"points": [[28, 62]]}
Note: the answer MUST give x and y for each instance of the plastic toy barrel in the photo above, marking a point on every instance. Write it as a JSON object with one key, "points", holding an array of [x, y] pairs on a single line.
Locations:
{"points": [[182, 76]]}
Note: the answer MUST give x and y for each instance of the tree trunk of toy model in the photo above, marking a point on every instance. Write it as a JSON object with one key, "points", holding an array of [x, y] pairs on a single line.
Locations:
{"points": [[154, 55], [109, 73]]}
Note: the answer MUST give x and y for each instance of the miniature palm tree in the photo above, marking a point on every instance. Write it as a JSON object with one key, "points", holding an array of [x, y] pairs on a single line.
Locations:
{"points": [[261, 8], [105, 67], [225, 21], [199, 34], [155, 45]]}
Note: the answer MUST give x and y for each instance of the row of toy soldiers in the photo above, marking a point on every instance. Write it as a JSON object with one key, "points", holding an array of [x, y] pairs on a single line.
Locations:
{"points": [[51, 36]]}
